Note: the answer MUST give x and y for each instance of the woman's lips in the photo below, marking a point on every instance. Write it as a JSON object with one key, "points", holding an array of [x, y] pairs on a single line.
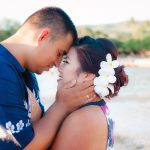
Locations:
{"points": [[60, 78]]}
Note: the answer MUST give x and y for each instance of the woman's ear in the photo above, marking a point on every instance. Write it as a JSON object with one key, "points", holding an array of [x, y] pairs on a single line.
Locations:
{"points": [[84, 76]]}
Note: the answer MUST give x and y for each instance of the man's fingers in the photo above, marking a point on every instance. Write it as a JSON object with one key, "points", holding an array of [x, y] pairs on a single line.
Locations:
{"points": [[86, 78], [90, 77], [90, 97], [87, 91], [82, 86], [93, 96]]}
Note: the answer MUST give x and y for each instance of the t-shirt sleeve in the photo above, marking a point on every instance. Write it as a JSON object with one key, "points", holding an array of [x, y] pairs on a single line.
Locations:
{"points": [[14, 114]]}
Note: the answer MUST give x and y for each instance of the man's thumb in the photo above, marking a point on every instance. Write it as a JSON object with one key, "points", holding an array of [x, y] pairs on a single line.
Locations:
{"points": [[70, 84]]}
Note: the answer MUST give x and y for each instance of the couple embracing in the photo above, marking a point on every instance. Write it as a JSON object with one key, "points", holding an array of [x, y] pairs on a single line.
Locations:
{"points": [[89, 74]]}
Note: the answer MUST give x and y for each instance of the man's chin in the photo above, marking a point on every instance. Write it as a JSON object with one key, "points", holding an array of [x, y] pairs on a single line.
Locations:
{"points": [[38, 72]]}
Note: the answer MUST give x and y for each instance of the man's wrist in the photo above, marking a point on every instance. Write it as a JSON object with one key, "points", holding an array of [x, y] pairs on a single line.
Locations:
{"points": [[60, 106]]}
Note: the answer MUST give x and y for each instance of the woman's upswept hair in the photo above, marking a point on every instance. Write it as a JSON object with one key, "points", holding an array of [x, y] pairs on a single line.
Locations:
{"points": [[91, 52]]}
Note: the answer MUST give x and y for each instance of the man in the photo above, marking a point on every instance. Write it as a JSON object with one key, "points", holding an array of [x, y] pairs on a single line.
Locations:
{"points": [[37, 46]]}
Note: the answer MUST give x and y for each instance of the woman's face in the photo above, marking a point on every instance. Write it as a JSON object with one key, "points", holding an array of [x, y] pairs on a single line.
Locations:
{"points": [[69, 67]]}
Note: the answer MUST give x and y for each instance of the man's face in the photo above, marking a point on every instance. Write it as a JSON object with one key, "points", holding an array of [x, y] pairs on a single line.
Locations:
{"points": [[49, 53]]}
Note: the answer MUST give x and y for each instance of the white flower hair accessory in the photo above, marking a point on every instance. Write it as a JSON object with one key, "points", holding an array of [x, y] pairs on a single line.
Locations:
{"points": [[104, 82]]}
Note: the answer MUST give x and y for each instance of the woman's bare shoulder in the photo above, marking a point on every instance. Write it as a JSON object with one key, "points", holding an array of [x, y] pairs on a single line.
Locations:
{"points": [[89, 120], [91, 113], [85, 128]]}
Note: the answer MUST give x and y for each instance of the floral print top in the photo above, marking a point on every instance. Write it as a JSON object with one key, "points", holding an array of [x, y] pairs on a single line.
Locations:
{"points": [[14, 106], [20, 125]]}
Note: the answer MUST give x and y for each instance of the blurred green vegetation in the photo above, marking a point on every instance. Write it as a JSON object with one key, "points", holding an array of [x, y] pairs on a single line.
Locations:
{"points": [[7, 28], [130, 37]]}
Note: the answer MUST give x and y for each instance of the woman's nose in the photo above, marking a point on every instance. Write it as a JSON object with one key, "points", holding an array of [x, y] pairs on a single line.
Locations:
{"points": [[60, 68]]}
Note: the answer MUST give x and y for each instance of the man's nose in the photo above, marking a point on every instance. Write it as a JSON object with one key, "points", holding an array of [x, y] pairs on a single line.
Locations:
{"points": [[58, 62]]}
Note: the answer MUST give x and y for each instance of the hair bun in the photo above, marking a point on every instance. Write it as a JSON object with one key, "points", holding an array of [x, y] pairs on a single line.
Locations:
{"points": [[122, 79], [86, 40], [121, 76]]}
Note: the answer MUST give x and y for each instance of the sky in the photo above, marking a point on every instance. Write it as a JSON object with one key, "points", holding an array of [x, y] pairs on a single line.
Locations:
{"points": [[82, 12]]}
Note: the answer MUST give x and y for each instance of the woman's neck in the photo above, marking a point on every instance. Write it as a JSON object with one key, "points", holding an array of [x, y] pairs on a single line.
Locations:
{"points": [[97, 98]]}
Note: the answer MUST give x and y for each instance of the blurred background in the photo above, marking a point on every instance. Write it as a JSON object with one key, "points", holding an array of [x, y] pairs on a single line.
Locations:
{"points": [[127, 24]]}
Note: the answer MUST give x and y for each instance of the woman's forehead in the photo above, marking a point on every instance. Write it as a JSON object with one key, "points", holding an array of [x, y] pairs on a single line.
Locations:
{"points": [[72, 55], [72, 51]]}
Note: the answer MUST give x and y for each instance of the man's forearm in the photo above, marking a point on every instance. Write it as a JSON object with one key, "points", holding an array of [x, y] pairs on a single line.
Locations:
{"points": [[45, 129]]}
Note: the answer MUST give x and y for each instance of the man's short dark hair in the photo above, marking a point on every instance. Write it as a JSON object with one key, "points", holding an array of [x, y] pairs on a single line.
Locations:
{"points": [[55, 19]]}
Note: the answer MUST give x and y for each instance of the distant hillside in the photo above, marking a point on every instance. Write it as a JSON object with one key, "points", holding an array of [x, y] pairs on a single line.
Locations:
{"points": [[131, 37], [121, 31]]}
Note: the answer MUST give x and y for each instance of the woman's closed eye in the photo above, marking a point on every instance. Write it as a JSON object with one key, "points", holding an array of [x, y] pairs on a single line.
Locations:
{"points": [[65, 61]]}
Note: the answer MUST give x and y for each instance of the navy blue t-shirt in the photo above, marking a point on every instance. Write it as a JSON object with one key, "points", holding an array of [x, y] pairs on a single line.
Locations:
{"points": [[14, 109]]}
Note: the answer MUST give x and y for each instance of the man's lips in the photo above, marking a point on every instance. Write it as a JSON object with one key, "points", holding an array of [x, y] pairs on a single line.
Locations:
{"points": [[47, 69]]}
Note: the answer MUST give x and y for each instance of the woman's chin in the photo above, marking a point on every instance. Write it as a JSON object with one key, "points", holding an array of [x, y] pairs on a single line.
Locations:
{"points": [[59, 83], [59, 80]]}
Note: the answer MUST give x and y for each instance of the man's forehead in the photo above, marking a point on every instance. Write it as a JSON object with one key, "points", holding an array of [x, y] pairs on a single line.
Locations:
{"points": [[65, 44], [68, 42]]}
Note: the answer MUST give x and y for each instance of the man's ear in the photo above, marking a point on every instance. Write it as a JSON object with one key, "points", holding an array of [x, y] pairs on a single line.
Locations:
{"points": [[43, 34], [84, 76]]}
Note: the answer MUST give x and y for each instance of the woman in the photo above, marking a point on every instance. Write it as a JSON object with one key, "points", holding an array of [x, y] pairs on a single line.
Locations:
{"points": [[90, 127]]}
